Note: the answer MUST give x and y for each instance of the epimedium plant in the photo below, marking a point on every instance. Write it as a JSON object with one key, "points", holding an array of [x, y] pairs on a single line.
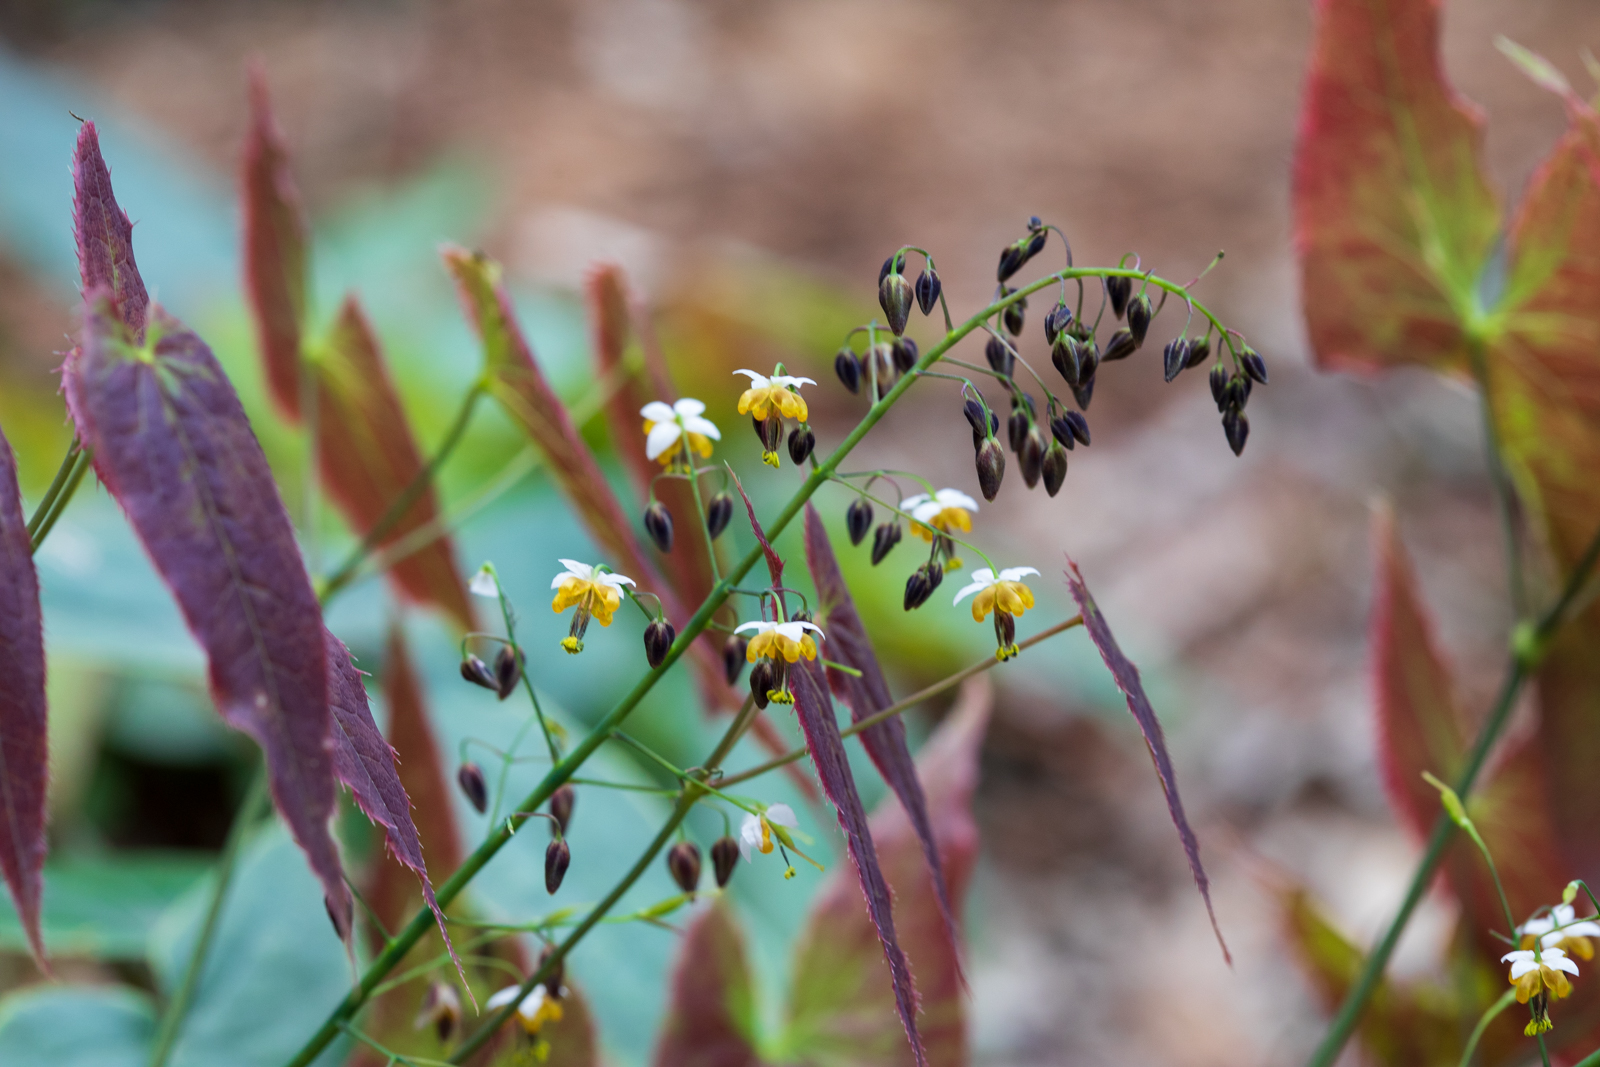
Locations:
{"points": [[161, 426]]}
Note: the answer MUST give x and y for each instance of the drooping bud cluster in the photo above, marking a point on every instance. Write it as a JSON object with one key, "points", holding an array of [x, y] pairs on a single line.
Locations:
{"points": [[1232, 392], [894, 293]]}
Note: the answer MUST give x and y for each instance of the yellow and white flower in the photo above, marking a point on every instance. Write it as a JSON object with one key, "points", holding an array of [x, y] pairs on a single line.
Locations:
{"points": [[1548, 969], [786, 641], [945, 511], [781, 391], [1006, 596], [665, 426], [594, 592], [535, 1009], [1561, 929], [484, 583], [756, 831]]}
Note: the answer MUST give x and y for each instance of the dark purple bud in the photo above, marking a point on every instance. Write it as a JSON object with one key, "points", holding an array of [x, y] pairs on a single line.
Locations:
{"points": [[1031, 456], [858, 519], [658, 638], [848, 367], [557, 858], [801, 442], [1119, 289], [1174, 357], [733, 657], [1011, 260], [1056, 319], [920, 586], [905, 354], [762, 681], [1139, 315], [1036, 241], [1237, 392], [1254, 365], [1079, 426], [561, 804], [469, 776], [1219, 386], [1066, 353], [1001, 356], [1005, 631], [894, 296], [1017, 428], [1120, 346], [1054, 467], [507, 671], [1237, 426], [885, 537], [1015, 316], [896, 262], [1083, 392], [1061, 430], [658, 524], [991, 464], [683, 861], [718, 512], [477, 672], [974, 415], [1199, 352], [724, 859], [928, 288]]}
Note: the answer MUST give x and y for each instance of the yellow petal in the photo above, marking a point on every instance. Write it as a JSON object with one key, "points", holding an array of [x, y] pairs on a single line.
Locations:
{"points": [[759, 645], [982, 604], [956, 519], [1557, 981], [808, 649], [701, 444], [571, 591], [919, 530], [1527, 986], [1579, 946]]}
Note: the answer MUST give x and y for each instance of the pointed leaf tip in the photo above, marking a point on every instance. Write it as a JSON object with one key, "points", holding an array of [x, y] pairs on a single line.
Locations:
{"points": [[23, 718], [104, 233], [1127, 678], [711, 1014]]}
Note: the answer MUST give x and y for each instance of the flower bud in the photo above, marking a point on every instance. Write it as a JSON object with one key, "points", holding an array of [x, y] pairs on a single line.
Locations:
{"points": [[1030, 457], [1056, 319], [1219, 386], [557, 858], [1016, 428], [848, 367], [1139, 315], [718, 512], [1078, 425], [1199, 352], [1001, 356], [1254, 365], [1119, 289], [658, 524], [1054, 467], [507, 671], [769, 431], [1011, 260], [683, 861], [1066, 353], [885, 537], [1005, 632], [1237, 392], [561, 804], [991, 464], [894, 296], [1083, 392], [1174, 357], [1061, 430], [1237, 427], [1088, 358], [928, 288], [1015, 315], [1120, 346], [477, 672], [882, 356], [801, 442], [469, 776], [904, 351], [658, 638], [763, 679], [858, 519], [724, 859], [920, 586], [733, 657], [973, 411], [440, 1009]]}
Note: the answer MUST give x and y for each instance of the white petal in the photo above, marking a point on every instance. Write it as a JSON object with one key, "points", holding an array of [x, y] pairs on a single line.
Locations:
{"points": [[1563, 914], [529, 1008], [483, 584], [925, 510], [662, 437], [656, 411], [579, 570], [787, 379], [1535, 927], [968, 589], [749, 836], [1011, 574], [1522, 967], [782, 815], [757, 625], [794, 631], [695, 424], [1517, 954], [689, 406], [955, 498], [503, 997], [757, 381], [1560, 963], [615, 581], [911, 503], [1582, 929]]}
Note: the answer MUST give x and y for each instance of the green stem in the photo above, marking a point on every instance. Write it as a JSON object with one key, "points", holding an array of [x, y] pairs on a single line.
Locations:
{"points": [[1505, 1001], [250, 810], [62, 473], [47, 522]]}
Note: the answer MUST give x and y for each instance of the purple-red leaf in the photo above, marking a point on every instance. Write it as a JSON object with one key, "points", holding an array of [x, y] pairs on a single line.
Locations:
{"points": [[23, 719], [368, 458], [104, 234], [276, 257], [711, 1019], [423, 773], [364, 761], [173, 446], [774, 561], [867, 695], [814, 708], [1127, 677]]}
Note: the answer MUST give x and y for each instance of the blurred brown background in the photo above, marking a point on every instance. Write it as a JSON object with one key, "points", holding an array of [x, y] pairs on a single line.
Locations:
{"points": [[825, 133]]}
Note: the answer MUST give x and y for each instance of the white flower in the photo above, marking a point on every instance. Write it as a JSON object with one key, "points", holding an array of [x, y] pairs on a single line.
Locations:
{"points": [[924, 507], [484, 584], [756, 830], [780, 391], [984, 578], [536, 1009], [787, 640], [665, 425], [1560, 927], [587, 572]]}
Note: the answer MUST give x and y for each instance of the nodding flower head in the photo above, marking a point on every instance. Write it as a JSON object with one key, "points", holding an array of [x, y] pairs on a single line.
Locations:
{"points": [[757, 833], [595, 593], [533, 1011], [1004, 595], [780, 643], [780, 392], [944, 511], [1537, 974], [665, 427], [1561, 929]]}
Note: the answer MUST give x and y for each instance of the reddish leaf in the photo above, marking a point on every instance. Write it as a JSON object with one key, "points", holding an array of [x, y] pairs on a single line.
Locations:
{"points": [[423, 770], [172, 444], [711, 1018], [24, 768], [364, 761], [104, 233], [1393, 217], [774, 562], [276, 255], [867, 695], [814, 708], [839, 1008], [369, 458], [1127, 677]]}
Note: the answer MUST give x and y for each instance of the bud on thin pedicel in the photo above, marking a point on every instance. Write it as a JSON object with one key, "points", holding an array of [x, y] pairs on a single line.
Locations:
{"points": [[801, 442], [1199, 352], [1061, 430], [1067, 354], [683, 861], [1120, 346], [507, 670], [858, 519], [763, 679], [1031, 456], [904, 351], [1174, 357], [1254, 365], [1078, 425], [733, 657], [1001, 356], [928, 288], [848, 368], [894, 296], [477, 672], [554, 981], [718, 512], [724, 859], [1083, 392], [1118, 290], [1016, 428], [1015, 315], [1054, 467], [884, 538], [1236, 425], [557, 858], [469, 776], [921, 584], [1219, 386], [991, 464], [1056, 319], [561, 804], [1139, 315], [658, 638], [658, 524]]}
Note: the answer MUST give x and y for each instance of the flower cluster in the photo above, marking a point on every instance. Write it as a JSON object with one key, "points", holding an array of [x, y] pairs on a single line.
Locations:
{"points": [[1539, 968]]}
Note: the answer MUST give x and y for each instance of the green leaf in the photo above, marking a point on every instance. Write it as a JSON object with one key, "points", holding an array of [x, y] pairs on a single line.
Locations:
{"points": [[76, 1026], [106, 906]]}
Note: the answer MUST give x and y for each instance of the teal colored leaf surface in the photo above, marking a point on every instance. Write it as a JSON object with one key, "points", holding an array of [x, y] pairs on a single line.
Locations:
{"points": [[105, 906], [76, 1026]]}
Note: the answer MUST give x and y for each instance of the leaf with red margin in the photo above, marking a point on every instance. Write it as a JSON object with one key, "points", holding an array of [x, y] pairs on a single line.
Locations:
{"points": [[24, 721], [839, 1008], [814, 708], [711, 1017], [1394, 219], [368, 458], [276, 248], [364, 761], [104, 233], [173, 446], [423, 771], [868, 694], [1127, 678], [774, 561]]}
